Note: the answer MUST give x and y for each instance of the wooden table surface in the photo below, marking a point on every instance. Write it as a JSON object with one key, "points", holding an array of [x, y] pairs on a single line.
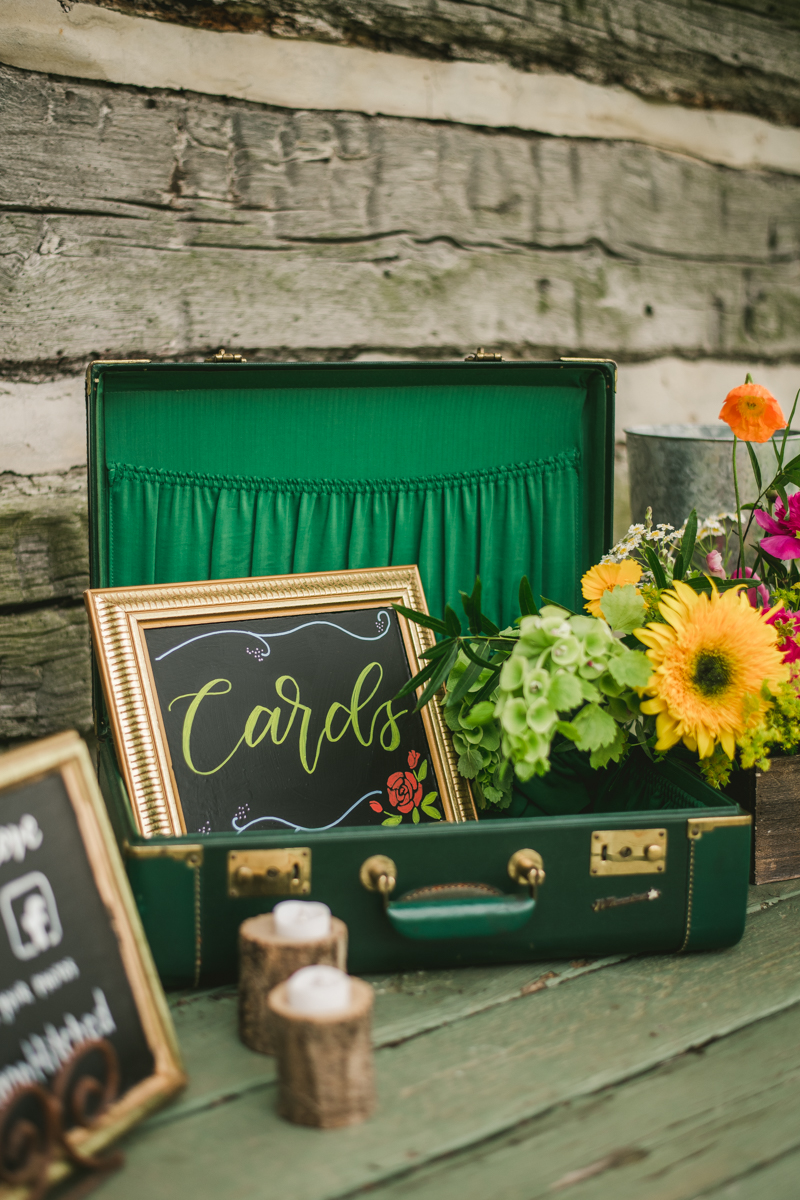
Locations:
{"points": [[658, 1078]]}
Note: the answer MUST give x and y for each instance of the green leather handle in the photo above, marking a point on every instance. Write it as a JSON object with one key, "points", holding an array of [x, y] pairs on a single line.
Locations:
{"points": [[481, 916]]}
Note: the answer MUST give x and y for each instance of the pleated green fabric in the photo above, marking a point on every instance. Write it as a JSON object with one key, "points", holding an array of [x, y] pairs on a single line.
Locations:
{"points": [[500, 522]]}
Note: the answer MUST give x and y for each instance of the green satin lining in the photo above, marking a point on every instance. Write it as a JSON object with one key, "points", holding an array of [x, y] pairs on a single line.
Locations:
{"points": [[500, 522]]}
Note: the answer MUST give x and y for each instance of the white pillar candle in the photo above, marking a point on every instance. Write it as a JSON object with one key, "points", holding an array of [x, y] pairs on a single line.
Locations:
{"points": [[302, 920], [318, 991]]}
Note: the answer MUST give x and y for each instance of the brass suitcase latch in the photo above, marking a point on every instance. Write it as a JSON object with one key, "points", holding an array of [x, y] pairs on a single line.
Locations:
{"points": [[269, 872], [628, 852]]}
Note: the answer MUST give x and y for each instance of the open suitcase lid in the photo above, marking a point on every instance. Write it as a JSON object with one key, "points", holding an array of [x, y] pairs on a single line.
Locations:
{"points": [[220, 470]]}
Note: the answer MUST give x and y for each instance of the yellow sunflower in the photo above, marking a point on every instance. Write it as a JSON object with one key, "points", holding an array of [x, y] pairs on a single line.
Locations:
{"points": [[603, 578], [709, 664]]}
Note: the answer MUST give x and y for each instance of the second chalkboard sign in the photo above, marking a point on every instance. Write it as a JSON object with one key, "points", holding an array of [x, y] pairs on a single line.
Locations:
{"points": [[269, 704], [87, 1047]]}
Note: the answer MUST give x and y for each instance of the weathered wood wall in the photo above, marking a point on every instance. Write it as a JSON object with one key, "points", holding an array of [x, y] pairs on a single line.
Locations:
{"points": [[167, 224], [164, 224], [733, 54]]}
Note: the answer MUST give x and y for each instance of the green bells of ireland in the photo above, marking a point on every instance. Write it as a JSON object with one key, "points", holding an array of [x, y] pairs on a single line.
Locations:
{"points": [[567, 675]]}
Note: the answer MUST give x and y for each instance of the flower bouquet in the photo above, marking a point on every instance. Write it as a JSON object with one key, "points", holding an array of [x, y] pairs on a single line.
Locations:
{"points": [[686, 648]]}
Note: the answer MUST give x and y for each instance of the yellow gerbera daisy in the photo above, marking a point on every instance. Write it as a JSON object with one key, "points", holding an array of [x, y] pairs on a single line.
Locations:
{"points": [[709, 664], [605, 576]]}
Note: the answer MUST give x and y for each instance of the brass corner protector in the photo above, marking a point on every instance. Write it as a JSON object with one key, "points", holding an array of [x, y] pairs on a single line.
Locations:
{"points": [[697, 826], [192, 855]]}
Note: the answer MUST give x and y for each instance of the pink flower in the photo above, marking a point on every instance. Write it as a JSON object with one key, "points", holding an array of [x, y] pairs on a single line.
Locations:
{"points": [[413, 758], [754, 593], [784, 529], [788, 627], [714, 564]]}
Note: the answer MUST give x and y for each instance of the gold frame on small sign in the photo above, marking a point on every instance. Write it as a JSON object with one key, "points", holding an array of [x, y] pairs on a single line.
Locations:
{"points": [[66, 755], [118, 617]]}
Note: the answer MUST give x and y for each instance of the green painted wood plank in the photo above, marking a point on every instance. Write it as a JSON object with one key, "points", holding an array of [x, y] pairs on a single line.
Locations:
{"points": [[697, 1123], [774, 1181], [470, 1080], [405, 1006]]}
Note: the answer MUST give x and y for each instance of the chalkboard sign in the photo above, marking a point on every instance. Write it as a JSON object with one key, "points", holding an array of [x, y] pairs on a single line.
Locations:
{"points": [[81, 1010], [269, 704]]}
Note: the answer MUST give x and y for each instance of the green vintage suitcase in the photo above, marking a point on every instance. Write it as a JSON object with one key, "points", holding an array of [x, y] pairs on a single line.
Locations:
{"points": [[501, 469]]}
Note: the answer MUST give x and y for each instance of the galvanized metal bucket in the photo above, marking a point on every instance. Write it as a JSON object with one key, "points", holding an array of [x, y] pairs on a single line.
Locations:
{"points": [[675, 468]]}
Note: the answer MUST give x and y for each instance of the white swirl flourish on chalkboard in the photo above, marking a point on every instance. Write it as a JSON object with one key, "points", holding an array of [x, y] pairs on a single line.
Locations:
{"points": [[305, 828], [263, 638]]}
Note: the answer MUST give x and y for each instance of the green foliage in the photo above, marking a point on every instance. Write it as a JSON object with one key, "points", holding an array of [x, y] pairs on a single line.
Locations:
{"points": [[476, 737], [568, 675], [780, 731], [716, 770], [623, 608], [508, 694]]}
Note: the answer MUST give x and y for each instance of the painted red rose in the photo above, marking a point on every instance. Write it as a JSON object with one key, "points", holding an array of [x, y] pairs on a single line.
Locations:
{"points": [[376, 806], [413, 758], [405, 791]]}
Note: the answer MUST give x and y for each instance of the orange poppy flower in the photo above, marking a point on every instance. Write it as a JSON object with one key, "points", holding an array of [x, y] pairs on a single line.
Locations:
{"points": [[752, 412], [604, 578]]}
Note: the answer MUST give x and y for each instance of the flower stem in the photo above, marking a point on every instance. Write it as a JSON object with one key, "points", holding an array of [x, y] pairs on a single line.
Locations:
{"points": [[740, 561]]}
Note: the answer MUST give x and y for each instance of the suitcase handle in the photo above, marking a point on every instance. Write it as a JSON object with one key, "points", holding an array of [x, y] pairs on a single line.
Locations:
{"points": [[449, 910]]}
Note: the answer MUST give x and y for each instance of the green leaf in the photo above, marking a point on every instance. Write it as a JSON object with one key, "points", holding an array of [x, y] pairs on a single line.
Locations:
{"points": [[423, 770], [421, 618], [595, 728], [704, 584], [655, 566], [415, 816], [439, 649], [443, 668], [791, 471], [632, 669], [610, 753], [470, 676], [429, 798], [478, 715], [487, 690], [392, 821], [472, 606], [623, 608], [618, 708], [755, 465], [417, 680], [684, 556], [476, 658], [427, 806], [491, 736], [527, 604], [563, 607], [488, 626], [565, 692], [470, 763], [452, 623]]}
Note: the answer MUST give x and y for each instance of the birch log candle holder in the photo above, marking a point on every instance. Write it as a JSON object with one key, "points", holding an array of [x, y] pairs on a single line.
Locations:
{"points": [[273, 946], [322, 1022]]}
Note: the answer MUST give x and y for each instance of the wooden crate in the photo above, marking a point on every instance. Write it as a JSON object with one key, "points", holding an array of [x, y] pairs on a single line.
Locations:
{"points": [[773, 797]]}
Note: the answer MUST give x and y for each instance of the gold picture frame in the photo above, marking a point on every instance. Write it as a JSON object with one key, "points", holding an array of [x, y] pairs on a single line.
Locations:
{"points": [[119, 617], [66, 755]]}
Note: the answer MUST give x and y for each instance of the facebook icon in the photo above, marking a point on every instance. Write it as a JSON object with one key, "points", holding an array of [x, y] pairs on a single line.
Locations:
{"points": [[28, 909]]}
